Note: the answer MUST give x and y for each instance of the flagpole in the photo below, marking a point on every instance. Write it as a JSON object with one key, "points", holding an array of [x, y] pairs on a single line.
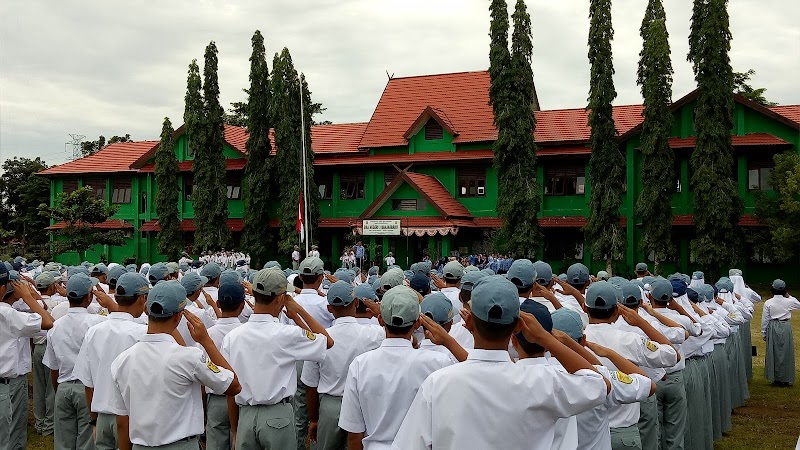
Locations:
{"points": [[307, 228]]}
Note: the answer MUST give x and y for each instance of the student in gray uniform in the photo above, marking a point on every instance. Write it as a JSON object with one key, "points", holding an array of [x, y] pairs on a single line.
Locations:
{"points": [[777, 332]]}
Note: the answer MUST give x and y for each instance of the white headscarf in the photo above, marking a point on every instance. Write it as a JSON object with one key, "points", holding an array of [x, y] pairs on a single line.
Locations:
{"points": [[145, 269]]}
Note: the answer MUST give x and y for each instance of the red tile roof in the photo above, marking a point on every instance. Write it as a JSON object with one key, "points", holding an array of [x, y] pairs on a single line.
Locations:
{"points": [[363, 158], [116, 157], [749, 139], [431, 189], [791, 112], [430, 113], [337, 138], [189, 225], [113, 224], [565, 125], [186, 166]]}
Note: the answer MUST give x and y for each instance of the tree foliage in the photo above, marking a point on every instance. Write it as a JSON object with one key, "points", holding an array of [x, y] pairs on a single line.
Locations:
{"points": [[604, 235], [713, 178], [167, 173], [80, 210], [654, 205], [781, 210], [742, 87], [210, 193], [499, 60], [257, 187], [515, 149], [21, 193], [92, 147]]}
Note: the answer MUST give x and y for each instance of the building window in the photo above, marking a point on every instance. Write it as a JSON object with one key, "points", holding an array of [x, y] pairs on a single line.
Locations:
{"points": [[352, 187], [122, 190], [409, 204], [234, 185], [98, 186], [471, 182], [758, 174], [70, 184], [325, 185], [188, 187], [433, 130], [189, 148], [143, 203], [565, 180]]}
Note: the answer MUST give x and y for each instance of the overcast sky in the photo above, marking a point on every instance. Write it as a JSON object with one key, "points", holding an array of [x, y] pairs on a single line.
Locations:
{"points": [[113, 67]]}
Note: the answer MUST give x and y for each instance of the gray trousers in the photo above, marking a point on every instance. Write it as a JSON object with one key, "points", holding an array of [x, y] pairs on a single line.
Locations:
{"points": [[722, 395], [72, 429], [44, 396], [626, 438], [329, 435], [14, 414], [648, 422], [189, 444], [671, 395], [300, 410], [218, 424], [266, 427], [105, 435]]}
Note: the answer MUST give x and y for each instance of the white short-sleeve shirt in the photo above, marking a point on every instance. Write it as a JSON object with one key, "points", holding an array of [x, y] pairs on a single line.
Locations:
{"points": [[16, 329], [64, 341]]}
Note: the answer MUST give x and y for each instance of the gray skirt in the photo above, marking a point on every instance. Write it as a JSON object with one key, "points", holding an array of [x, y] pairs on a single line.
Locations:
{"points": [[780, 352]]}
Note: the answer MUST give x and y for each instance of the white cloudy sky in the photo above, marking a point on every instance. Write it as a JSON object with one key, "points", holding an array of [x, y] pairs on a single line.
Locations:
{"points": [[113, 67]]}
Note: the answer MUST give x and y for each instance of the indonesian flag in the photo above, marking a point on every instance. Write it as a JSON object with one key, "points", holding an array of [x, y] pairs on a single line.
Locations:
{"points": [[299, 226]]}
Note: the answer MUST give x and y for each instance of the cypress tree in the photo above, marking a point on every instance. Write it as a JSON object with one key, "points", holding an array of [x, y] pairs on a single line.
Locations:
{"points": [[654, 205], [604, 236], [210, 193], [499, 59], [170, 239], [193, 109], [713, 179], [257, 188]]}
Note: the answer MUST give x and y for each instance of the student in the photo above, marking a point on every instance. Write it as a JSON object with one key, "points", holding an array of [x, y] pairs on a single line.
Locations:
{"points": [[158, 272], [72, 426], [211, 272], [103, 343], [452, 274], [231, 303], [777, 332], [487, 401], [641, 271], [100, 271], [262, 416], [439, 309], [16, 329], [158, 382], [296, 257], [325, 380], [381, 384], [195, 290], [461, 334], [44, 396], [363, 293]]}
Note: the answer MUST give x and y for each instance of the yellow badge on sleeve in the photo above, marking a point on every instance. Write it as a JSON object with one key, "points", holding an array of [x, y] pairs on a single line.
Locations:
{"points": [[624, 377], [311, 336], [212, 367], [651, 346]]}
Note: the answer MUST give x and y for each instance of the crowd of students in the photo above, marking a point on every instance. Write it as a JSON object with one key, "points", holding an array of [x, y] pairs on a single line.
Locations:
{"points": [[170, 355]]}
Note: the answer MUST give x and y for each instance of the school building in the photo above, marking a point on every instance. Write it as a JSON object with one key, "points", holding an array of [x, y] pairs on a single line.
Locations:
{"points": [[419, 173]]}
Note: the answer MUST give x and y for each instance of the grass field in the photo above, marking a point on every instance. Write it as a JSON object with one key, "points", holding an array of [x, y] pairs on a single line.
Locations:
{"points": [[770, 420]]}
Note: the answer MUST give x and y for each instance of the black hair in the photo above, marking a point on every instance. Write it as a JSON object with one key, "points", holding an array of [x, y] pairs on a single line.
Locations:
{"points": [[780, 292], [578, 286], [153, 319], [361, 308], [309, 279], [263, 299], [465, 296], [76, 301], [398, 331], [632, 305], [494, 331], [602, 314], [529, 347], [660, 303], [297, 282], [7, 295], [125, 300], [227, 307]]}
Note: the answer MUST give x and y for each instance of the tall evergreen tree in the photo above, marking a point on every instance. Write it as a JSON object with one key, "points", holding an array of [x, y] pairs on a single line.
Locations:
{"points": [[170, 239], [193, 108], [499, 60], [604, 235], [210, 192], [654, 205], [713, 178], [257, 188]]}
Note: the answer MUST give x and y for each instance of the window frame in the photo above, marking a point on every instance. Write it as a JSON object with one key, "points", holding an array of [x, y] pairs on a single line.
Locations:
{"points": [[762, 168], [557, 180], [433, 130], [98, 192], [121, 186], [471, 182], [355, 184]]}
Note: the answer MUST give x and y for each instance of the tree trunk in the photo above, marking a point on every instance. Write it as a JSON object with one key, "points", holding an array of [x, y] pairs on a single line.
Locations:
{"points": [[608, 267]]}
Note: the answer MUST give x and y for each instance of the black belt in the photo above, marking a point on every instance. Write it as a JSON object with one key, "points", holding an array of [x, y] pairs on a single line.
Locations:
{"points": [[781, 320], [285, 400], [7, 380], [697, 357]]}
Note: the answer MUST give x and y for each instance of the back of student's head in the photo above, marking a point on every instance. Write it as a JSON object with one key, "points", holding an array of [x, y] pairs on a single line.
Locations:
{"points": [[542, 314], [230, 296], [400, 310], [601, 300], [166, 300], [495, 308], [778, 288], [268, 284], [130, 285]]}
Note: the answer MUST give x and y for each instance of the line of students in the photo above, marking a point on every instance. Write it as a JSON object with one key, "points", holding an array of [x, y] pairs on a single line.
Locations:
{"points": [[599, 364]]}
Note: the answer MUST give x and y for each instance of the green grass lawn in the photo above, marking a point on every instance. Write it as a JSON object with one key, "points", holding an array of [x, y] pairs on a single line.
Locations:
{"points": [[770, 420]]}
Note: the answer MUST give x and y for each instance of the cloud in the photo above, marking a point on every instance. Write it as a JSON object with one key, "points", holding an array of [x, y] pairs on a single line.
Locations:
{"points": [[117, 67]]}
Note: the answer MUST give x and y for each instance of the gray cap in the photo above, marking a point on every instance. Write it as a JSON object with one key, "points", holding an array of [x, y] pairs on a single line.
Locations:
{"points": [[779, 285], [470, 268], [522, 273], [392, 278], [470, 278], [733, 272], [13, 275], [158, 272], [373, 270], [698, 275], [115, 273], [192, 282], [544, 273], [230, 294], [45, 280], [661, 289], [453, 271], [341, 293], [131, 267], [603, 295], [270, 282], [617, 281], [3, 275], [577, 274], [364, 291], [631, 294], [166, 299], [725, 285], [344, 275], [271, 264], [602, 275], [211, 270], [641, 267], [79, 285], [495, 299], [312, 266], [569, 322], [488, 271], [76, 270], [400, 307], [230, 276], [438, 307], [99, 269], [173, 267], [131, 283]]}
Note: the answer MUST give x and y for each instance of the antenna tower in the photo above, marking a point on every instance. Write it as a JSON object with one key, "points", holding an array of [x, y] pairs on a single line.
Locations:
{"points": [[76, 145]]}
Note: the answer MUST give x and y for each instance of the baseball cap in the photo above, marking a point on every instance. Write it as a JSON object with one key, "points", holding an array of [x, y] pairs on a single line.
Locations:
{"points": [[166, 299], [13, 275], [341, 293], [522, 273], [678, 287], [79, 285], [158, 272], [569, 322], [544, 273], [420, 283], [693, 295], [602, 295], [364, 291], [577, 274], [631, 294], [99, 269], [192, 282], [210, 270], [495, 299], [641, 267], [779, 285], [114, 274], [617, 281], [270, 282], [438, 307], [725, 285], [470, 268], [698, 275], [344, 275], [602, 275], [230, 276], [131, 267], [184, 267], [661, 289], [76, 270], [539, 311], [45, 280], [391, 279], [373, 271], [312, 266], [470, 278], [230, 293], [400, 307], [3, 274], [488, 271], [130, 284], [173, 267], [453, 271]]}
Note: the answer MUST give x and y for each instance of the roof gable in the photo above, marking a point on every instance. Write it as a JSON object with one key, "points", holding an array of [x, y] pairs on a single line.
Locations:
{"points": [[430, 113], [430, 188]]}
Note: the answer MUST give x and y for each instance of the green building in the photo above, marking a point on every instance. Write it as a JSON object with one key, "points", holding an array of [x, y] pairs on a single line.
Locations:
{"points": [[422, 166]]}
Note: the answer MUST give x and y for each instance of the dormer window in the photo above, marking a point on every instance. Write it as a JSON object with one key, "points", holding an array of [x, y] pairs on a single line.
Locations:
{"points": [[433, 130]]}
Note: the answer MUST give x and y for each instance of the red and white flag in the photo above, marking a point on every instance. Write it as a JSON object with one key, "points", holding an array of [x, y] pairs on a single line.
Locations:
{"points": [[300, 226]]}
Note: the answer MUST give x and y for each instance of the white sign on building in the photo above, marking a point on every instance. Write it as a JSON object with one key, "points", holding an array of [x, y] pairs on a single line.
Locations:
{"points": [[381, 228]]}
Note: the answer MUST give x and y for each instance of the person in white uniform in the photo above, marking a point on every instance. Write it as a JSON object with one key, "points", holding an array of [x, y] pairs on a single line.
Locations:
{"points": [[44, 396], [487, 400], [777, 332], [452, 274], [461, 334], [438, 308]]}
